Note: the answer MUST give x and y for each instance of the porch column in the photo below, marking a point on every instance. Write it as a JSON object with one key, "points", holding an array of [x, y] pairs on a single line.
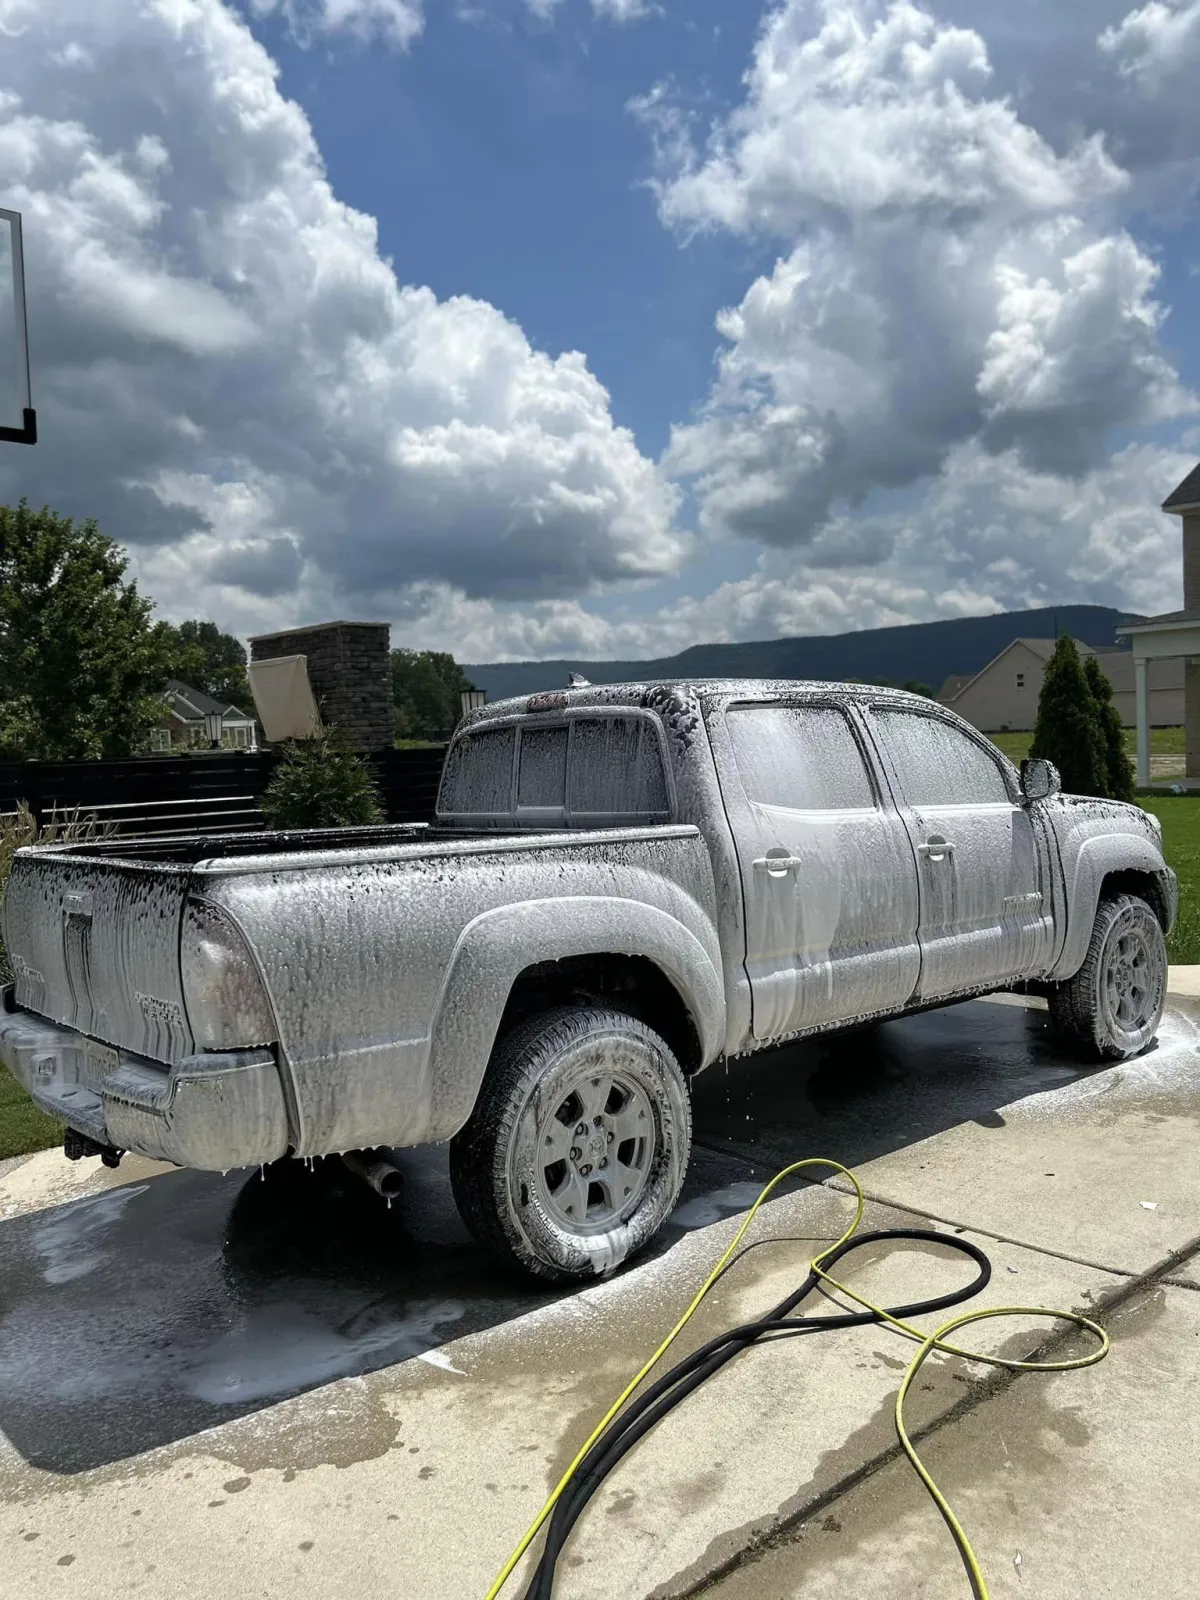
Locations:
{"points": [[1141, 684], [1191, 715]]}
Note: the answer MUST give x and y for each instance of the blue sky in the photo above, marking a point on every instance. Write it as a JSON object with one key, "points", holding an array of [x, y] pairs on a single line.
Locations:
{"points": [[880, 312], [501, 161]]}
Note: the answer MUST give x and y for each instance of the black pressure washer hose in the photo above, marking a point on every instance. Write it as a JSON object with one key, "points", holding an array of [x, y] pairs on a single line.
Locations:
{"points": [[649, 1408], [628, 1419]]}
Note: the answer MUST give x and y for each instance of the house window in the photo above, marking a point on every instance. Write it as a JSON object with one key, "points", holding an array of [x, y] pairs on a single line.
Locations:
{"points": [[160, 738], [1020, 680]]}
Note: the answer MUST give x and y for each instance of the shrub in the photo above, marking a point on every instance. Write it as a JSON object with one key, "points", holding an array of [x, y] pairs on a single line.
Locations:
{"points": [[1068, 730], [321, 783], [1117, 769]]}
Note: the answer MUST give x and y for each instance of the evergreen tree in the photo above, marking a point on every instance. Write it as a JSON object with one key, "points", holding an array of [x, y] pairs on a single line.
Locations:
{"points": [[1068, 730], [1118, 770], [321, 783]]}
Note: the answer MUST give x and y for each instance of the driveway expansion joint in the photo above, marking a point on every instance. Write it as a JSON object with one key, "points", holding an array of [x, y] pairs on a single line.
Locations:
{"points": [[995, 1383]]}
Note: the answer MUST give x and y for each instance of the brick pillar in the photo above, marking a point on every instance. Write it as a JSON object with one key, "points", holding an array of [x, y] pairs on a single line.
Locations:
{"points": [[350, 669]]}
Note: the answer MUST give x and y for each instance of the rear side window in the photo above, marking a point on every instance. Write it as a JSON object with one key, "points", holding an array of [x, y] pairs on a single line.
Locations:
{"points": [[805, 758], [937, 765], [478, 775], [616, 768]]}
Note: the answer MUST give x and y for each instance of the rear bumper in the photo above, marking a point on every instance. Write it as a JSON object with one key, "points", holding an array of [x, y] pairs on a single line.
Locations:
{"points": [[213, 1111]]}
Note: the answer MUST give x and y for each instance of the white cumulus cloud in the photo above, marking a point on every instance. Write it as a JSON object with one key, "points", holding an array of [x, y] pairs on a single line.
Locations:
{"points": [[231, 378], [392, 22], [947, 275], [1156, 43]]}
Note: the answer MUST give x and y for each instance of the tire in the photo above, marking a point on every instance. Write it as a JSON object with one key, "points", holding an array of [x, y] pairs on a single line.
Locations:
{"points": [[1111, 1008], [560, 1204]]}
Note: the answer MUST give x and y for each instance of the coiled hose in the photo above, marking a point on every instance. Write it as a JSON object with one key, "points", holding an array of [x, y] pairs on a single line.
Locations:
{"points": [[627, 1420]]}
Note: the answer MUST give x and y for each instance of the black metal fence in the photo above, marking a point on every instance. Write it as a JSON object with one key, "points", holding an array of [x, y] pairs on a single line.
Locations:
{"points": [[199, 793]]}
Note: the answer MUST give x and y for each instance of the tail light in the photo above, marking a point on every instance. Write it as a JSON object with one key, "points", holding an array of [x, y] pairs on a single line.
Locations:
{"points": [[226, 1003]]}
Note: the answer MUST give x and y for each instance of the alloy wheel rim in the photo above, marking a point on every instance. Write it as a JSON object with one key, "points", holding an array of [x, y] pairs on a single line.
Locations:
{"points": [[594, 1151], [1129, 980]]}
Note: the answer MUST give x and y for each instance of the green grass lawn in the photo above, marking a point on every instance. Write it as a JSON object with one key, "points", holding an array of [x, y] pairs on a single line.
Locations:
{"points": [[22, 1126], [1163, 742], [1180, 818]]}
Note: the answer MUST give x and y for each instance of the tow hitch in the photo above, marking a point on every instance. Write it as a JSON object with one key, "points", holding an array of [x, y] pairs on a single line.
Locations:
{"points": [[77, 1145]]}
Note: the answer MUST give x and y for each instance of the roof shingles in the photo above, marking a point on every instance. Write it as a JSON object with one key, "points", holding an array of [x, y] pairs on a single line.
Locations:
{"points": [[1184, 494]]}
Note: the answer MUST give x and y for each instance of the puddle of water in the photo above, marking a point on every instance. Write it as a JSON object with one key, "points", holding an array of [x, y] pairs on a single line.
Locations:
{"points": [[710, 1208], [69, 1242], [282, 1348]]}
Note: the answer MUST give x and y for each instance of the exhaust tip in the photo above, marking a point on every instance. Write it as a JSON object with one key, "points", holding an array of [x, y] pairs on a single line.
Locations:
{"points": [[391, 1183], [377, 1171]]}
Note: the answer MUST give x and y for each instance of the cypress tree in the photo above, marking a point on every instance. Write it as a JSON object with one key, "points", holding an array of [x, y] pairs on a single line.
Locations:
{"points": [[1068, 730], [1118, 771]]}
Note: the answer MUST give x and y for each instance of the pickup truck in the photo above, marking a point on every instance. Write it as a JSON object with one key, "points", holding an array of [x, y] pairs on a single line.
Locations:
{"points": [[621, 886]]}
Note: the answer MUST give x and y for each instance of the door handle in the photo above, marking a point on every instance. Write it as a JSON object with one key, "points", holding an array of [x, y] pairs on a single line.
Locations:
{"points": [[934, 849], [777, 866]]}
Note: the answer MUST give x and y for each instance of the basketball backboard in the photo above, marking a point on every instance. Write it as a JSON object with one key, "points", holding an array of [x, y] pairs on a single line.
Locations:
{"points": [[18, 420]]}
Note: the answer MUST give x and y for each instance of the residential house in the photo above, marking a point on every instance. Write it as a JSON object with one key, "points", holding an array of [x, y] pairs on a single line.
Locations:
{"points": [[1004, 695], [183, 724], [1173, 638]]}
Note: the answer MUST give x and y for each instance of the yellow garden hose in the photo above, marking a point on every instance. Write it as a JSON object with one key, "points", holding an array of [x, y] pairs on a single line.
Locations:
{"points": [[927, 1342]]}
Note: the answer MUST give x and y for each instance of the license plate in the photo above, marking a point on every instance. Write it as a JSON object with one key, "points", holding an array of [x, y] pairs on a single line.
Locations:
{"points": [[99, 1060]]}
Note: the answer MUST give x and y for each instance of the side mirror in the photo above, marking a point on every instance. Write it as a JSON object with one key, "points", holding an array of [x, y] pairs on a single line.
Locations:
{"points": [[1039, 779]]}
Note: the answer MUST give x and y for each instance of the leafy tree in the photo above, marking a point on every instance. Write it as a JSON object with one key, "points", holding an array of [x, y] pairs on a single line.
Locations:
{"points": [[915, 686], [82, 664], [1118, 771], [209, 660], [1068, 729], [321, 783], [426, 685]]}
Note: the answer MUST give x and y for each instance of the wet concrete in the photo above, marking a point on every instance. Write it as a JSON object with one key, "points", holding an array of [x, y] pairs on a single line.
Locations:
{"points": [[152, 1310], [214, 1375], [1061, 1483]]}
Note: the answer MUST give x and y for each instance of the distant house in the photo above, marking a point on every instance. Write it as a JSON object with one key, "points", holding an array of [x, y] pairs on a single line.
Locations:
{"points": [[1005, 694], [182, 726]]}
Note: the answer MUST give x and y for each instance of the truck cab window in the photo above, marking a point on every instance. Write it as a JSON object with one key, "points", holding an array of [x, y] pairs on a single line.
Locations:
{"points": [[616, 769], [542, 775], [936, 764], [479, 774], [803, 757]]}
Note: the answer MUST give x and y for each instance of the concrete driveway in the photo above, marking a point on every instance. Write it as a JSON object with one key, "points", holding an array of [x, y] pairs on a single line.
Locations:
{"points": [[228, 1386]]}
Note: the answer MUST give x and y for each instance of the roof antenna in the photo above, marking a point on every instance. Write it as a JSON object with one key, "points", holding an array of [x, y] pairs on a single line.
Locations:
{"points": [[576, 680]]}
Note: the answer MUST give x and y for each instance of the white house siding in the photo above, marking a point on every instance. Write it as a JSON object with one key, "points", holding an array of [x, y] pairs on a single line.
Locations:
{"points": [[1005, 694]]}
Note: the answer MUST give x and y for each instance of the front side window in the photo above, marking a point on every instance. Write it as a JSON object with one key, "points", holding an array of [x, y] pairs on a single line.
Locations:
{"points": [[937, 764], [803, 757]]}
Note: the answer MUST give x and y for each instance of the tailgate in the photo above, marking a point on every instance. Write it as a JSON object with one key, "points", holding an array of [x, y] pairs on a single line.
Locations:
{"points": [[94, 945]]}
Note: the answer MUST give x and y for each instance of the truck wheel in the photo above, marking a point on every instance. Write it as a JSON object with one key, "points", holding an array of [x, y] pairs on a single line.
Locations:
{"points": [[1111, 1008], [577, 1147]]}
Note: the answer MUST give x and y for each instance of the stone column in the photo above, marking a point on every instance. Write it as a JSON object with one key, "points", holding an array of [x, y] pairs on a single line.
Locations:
{"points": [[350, 669]]}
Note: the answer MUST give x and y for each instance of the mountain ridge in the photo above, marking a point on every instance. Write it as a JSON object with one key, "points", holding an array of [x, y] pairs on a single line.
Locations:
{"points": [[929, 652]]}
